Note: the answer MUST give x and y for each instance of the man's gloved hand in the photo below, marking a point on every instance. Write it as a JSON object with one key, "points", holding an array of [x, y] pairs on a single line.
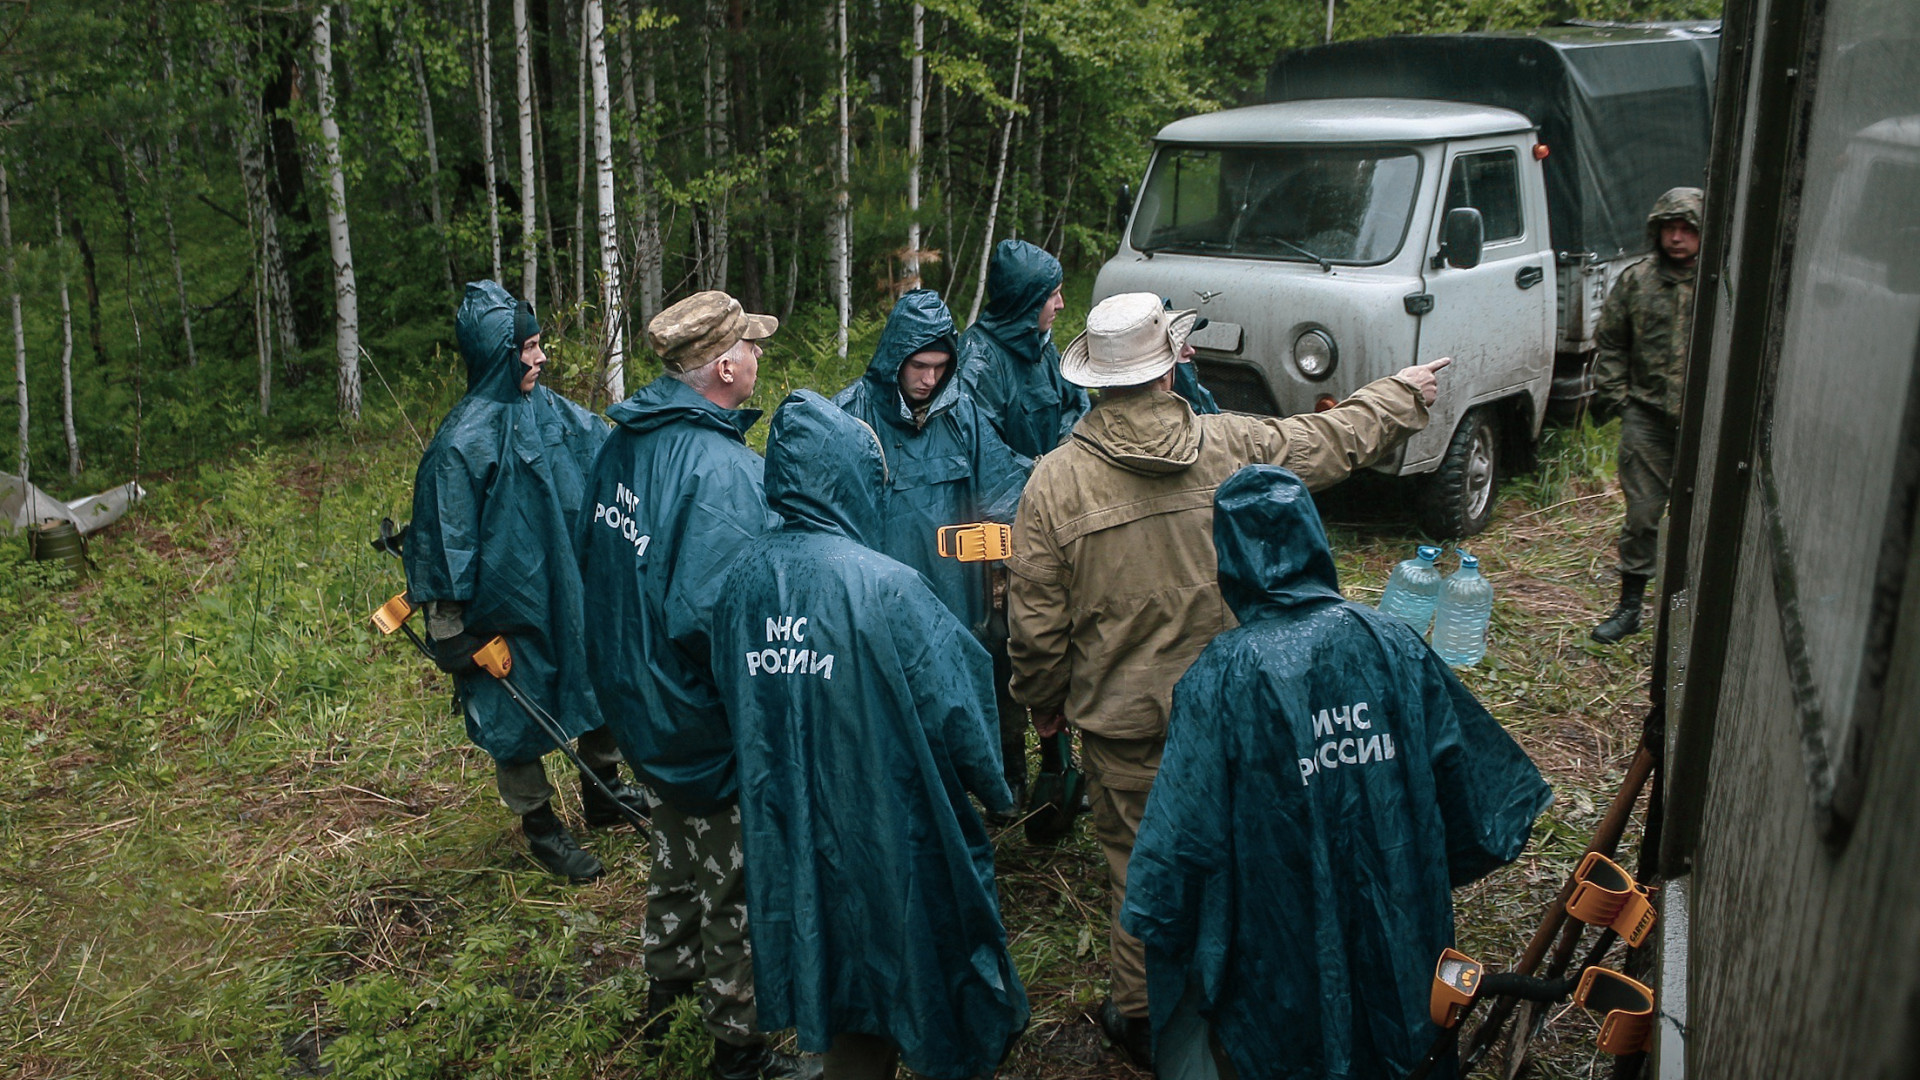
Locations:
{"points": [[454, 655], [1048, 723]]}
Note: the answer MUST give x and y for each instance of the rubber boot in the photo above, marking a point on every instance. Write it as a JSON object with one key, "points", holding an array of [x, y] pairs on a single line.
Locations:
{"points": [[554, 847], [601, 812], [1132, 1035], [760, 1061], [1625, 620]]}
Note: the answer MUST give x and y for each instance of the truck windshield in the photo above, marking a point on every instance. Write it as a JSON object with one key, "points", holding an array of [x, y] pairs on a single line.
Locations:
{"points": [[1301, 203]]}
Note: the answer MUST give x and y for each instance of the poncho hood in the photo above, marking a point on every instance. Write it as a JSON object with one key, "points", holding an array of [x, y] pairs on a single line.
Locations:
{"points": [[484, 327], [1677, 204], [1020, 277], [825, 470], [920, 321], [1273, 548], [667, 400]]}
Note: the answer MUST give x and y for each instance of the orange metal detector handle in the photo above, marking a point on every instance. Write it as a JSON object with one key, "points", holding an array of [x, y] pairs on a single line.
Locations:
{"points": [[1628, 1008], [494, 659], [985, 541], [393, 614], [1605, 895], [1456, 982]]}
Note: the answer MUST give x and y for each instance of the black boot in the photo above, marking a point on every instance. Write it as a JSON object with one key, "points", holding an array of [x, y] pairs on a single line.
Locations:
{"points": [[601, 812], [760, 1061], [1625, 620], [555, 848], [662, 996], [1133, 1035]]}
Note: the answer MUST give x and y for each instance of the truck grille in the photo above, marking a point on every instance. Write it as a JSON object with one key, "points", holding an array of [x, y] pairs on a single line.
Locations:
{"points": [[1237, 387]]}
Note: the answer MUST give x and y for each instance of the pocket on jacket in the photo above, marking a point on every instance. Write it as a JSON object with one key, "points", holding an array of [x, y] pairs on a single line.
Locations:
{"points": [[925, 472]]}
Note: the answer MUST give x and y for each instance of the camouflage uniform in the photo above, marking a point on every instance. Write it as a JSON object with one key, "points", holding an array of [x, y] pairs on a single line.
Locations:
{"points": [[1640, 374], [695, 933]]}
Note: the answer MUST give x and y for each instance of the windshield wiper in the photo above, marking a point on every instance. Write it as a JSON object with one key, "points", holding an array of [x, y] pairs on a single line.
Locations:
{"points": [[1326, 264]]}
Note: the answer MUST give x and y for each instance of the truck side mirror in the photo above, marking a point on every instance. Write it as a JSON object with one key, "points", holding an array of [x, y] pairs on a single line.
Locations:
{"points": [[1123, 203], [1461, 237]]}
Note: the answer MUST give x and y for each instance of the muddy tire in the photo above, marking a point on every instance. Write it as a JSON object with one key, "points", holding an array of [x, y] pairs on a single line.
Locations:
{"points": [[1456, 501]]}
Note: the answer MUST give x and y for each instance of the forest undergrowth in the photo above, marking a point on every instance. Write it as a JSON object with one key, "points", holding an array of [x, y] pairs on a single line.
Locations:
{"points": [[241, 834]]}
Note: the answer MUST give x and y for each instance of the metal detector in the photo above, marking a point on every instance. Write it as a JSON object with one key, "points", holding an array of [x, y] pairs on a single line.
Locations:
{"points": [[495, 659]]}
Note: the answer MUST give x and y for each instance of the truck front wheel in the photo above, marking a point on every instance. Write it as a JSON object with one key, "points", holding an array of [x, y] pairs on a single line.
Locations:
{"points": [[1456, 501]]}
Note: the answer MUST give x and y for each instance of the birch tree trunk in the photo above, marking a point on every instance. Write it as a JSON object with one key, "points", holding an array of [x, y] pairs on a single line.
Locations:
{"points": [[578, 244], [483, 89], [523, 97], [719, 146], [346, 302], [19, 323], [66, 345], [433, 162], [273, 308], [1000, 170], [647, 234], [612, 304], [916, 141], [842, 197]]}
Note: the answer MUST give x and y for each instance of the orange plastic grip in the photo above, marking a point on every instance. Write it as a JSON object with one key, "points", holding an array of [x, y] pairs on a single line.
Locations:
{"points": [[985, 541], [393, 614], [1627, 1009], [1456, 980], [1605, 895], [494, 659]]}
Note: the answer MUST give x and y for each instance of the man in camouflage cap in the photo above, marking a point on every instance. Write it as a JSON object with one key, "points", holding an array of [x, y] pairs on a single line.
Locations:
{"points": [[672, 497], [1639, 375]]}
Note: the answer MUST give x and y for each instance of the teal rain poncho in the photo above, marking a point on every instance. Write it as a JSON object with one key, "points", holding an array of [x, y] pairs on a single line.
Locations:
{"points": [[952, 471], [863, 714], [1326, 782], [494, 505], [1009, 366], [672, 498]]}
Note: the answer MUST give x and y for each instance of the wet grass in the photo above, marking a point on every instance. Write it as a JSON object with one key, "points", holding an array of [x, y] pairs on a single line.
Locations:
{"points": [[241, 835]]}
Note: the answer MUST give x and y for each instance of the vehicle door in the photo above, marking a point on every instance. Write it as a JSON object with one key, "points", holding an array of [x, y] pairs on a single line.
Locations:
{"points": [[1496, 319]]}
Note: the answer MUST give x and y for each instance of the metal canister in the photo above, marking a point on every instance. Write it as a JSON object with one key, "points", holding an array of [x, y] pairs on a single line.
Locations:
{"points": [[60, 542]]}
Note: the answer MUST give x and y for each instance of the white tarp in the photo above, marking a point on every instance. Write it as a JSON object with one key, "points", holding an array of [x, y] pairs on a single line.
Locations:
{"points": [[22, 504]]}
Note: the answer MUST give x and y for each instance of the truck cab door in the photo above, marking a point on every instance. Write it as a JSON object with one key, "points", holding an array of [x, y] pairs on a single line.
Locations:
{"points": [[1496, 319]]}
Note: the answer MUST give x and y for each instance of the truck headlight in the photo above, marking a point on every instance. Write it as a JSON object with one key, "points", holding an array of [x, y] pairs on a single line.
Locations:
{"points": [[1315, 354]]}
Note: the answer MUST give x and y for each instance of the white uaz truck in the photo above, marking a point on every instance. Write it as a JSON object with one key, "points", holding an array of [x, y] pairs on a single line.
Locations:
{"points": [[1402, 199]]}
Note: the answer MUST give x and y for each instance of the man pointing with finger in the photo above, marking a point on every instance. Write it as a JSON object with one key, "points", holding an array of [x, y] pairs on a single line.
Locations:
{"points": [[1114, 587]]}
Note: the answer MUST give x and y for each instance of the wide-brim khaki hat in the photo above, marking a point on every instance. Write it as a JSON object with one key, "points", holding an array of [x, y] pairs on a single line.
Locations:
{"points": [[1130, 339], [698, 330]]}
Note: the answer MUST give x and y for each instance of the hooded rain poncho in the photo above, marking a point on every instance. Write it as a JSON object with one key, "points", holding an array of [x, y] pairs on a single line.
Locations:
{"points": [[1009, 366], [672, 499], [950, 470], [863, 714], [494, 504], [1326, 782]]}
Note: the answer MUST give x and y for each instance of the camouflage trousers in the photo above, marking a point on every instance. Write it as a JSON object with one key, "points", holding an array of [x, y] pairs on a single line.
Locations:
{"points": [[696, 927], [1647, 440]]}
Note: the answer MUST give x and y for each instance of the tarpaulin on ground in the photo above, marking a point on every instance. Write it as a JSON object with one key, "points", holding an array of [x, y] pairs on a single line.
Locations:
{"points": [[22, 504], [1625, 111]]}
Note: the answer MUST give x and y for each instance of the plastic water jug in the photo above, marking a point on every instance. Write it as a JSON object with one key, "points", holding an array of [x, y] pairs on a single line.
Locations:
{"points": [[1414, 589], [1461, 617]]}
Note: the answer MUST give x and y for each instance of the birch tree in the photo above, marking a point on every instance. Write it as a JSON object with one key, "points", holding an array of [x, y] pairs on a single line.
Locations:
{"points": [[718, 143], [19, 322], [250, 149], [346, 304], [483, 90], [916, 140], [583, 126], [1000, 169], [523, 98], [66, 344], [646, 241], [612, 304], [842, 195], [435, 206]]}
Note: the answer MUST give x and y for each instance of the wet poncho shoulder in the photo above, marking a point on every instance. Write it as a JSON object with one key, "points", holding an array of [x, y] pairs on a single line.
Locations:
{"points": [[494, 503], [863, 715], [1326, 782], [1009, 366], [673, 497]]}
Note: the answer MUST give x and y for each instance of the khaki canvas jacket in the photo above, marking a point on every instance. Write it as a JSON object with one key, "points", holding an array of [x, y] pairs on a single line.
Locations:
{"points": [[1114, 587]]}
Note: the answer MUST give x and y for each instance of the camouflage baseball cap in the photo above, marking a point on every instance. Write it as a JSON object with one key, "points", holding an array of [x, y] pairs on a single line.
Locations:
{"points": [[694, 332]]}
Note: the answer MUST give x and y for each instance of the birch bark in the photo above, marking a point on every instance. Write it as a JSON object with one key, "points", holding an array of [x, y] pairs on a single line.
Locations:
{"points": [[346, 302], [523, 97], [483, 89], [1000, 171], [612, 304], [66, 345], [433, 162], [647, 230], [578, 244], [916, 141]]}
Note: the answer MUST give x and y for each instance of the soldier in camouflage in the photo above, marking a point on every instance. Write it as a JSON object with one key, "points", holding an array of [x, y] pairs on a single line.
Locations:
{"points": [[1639, 375]]}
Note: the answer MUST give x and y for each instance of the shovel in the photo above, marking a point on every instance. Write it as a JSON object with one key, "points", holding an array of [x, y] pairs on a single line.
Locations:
{"points": [[1055, 798]]}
